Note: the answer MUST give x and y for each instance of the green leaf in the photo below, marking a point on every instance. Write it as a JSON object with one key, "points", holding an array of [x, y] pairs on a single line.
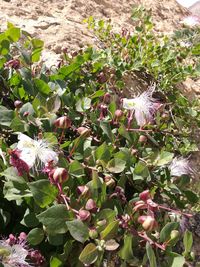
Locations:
{"points": [[55, 218], [178, 261], [166, 230], [43, 192], [163, 158], [110, 231], [30, 220], [107, 214], [6, 116], [35, 236], [187, 241], [37, 43], [78, 230], [83, 104], [13, 34], [141, 169], [116, 165], [89, 254], [103, 153], [55, 240], [35, 56], [17, 125], [55, 262], [105, 126], [151, 255], [15, 187], [126, 252], [42, 87], [98, 93], [76, 169], [191, 196], [4, 47]]}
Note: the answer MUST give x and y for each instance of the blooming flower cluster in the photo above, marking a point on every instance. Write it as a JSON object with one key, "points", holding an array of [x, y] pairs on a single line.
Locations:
{"points": [[180, 166], [144, 107], [31, 153], [14, 252]]}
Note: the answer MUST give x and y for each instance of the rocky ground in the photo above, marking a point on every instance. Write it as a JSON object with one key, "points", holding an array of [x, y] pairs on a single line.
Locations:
{"points": [[59, 23]]}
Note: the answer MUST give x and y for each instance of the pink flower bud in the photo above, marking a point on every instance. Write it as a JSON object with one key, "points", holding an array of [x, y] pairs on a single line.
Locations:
{"points": [[142, 139], [134, 151], [63, 122], [139, 205], [84, 215], [26, 113], [106, 98], [110, 182], [148, 222], [102, 77], [13, 63], [144, 195], [91, 205], [11, 240], [84, 131], [58, 175], [18, 104], [119, 113], [82, 189]]}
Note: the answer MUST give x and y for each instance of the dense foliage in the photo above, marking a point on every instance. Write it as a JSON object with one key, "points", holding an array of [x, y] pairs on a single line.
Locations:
{"points": [[90, 173]]}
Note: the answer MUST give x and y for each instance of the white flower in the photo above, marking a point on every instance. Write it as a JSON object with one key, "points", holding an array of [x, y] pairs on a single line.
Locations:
{"points": [[180, 166], [144, 107], [191, 21], [35, 152], [185, 44], [13, 256]]}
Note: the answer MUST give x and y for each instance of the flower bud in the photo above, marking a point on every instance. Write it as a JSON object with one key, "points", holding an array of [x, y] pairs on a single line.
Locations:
{"points": [[18, 104], [142, 139], [139, 205], [118, 113], [22, 237], [102, 77], [26, 113], [106, 98], [63, 122], [91, 205], [58, 175], [145, 195], [134, 151], [84, 131], [84, 215], [11, 240], [93, 233], [110, 182], [13, 63], [174, 234], [82, 190], [148, 222]]}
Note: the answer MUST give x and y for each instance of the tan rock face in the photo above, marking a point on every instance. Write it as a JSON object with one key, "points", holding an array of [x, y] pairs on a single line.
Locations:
{"points": [[59, 23], [195, 9]]}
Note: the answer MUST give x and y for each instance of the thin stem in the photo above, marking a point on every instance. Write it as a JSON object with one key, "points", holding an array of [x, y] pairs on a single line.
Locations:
{"points": [[62, 195], [139, 130], [61, 137], [175, 211]]}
